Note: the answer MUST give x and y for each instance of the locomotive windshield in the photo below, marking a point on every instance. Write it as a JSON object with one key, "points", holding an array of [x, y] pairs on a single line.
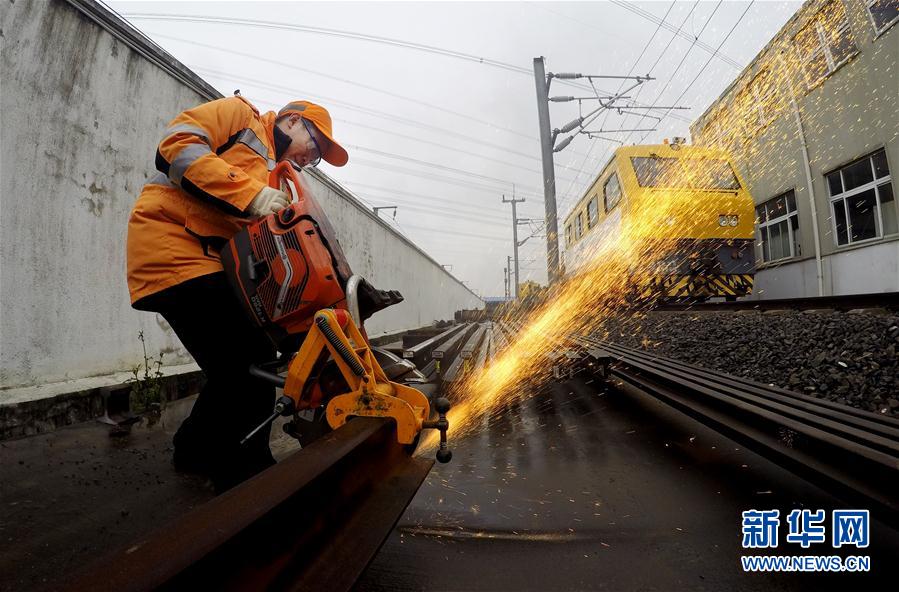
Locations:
{"points": [[684, 173]]}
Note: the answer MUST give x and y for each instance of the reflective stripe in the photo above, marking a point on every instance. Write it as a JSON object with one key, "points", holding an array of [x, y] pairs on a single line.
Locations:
{"points": [[187, 156], [292, 107], [249, 139], [189, 129], [160, 179]]}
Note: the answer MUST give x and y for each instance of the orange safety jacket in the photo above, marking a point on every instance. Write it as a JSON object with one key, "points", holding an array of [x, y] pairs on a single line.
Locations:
{"points": [[212, 161]]}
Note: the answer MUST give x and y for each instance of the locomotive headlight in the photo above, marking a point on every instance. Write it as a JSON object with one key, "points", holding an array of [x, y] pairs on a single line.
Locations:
{"points": [[728, 219]]}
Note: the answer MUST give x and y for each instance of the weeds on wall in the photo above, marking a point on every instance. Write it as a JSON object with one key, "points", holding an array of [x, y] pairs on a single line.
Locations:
{"points": [[146, 383]]}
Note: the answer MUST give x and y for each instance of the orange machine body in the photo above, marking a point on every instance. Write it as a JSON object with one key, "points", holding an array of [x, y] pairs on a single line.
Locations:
{"points": [[287, 266]]}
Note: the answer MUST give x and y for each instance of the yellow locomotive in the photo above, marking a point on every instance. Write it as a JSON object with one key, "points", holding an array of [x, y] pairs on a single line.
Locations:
{"points": [[693, 214]]}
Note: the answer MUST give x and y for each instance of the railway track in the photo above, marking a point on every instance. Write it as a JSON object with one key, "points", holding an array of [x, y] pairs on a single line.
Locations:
{"points": [[317, 519], [850, 452], [312, 522], [885, 300]]}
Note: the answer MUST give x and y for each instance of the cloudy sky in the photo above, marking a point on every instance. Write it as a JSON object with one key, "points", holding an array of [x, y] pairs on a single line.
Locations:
{"points": [[436, 102]]}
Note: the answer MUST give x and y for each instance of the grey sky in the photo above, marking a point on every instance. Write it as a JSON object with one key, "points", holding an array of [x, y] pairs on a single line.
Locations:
{"points": [[444, 137]]}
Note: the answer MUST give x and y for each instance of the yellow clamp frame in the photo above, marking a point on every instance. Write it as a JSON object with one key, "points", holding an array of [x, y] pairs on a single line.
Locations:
{"points": [[371, 394]]}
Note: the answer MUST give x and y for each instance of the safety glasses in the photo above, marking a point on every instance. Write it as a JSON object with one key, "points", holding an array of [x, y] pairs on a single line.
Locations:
{"points": [[318, 150]]}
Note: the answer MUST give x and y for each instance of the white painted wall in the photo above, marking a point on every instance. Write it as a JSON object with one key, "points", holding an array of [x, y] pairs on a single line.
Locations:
{"points": [[82, 113], [866, 269]]}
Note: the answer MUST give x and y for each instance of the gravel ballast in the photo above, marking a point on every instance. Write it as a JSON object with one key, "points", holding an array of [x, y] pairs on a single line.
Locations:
{"points": [[846, 357]]}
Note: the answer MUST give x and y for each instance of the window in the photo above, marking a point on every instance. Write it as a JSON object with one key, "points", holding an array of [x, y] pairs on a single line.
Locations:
{"points": [[592, 212], [684, 173], [762, 106], [719, 130], [579, 226], [568, 238], [825, 42], [611, 192], [862, 200], [884, 13], [779, 227]]}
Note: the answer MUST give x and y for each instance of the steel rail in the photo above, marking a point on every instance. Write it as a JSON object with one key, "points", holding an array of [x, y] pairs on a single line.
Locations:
{"points": [[842, 417], [312, 522], [887, 300], [466, 356], [852, 455], [420, 354]]}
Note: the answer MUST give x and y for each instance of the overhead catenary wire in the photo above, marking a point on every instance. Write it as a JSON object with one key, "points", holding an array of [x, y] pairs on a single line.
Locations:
{"points": [[427, 203], [426, 163], [679, 65], [351, 107], [492, 189], [450, 148], [726, 37], [566, 194], [395, 95], [424, 196], [661, 55], [332, 33], [678, 31], [358, 36]]}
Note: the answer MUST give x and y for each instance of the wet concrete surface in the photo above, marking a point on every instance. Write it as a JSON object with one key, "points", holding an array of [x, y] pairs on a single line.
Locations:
{"points": [[579, 489], [70, 496], [575, 489]]}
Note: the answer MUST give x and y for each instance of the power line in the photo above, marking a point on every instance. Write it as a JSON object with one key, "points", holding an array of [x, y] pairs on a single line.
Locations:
{"points": [[422, 196], [425, 201], [439, 211], [435, 177], [333, 33], [388, 93], [679, 32], [367, 111], [357, 36], [425, 163], [678, 67], [455, 233], [646, 46], [726, 37], [445, 147], [662, 54]]}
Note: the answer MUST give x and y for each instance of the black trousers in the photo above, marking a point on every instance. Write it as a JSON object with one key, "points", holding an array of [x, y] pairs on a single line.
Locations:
{"points": [[208, 319]]}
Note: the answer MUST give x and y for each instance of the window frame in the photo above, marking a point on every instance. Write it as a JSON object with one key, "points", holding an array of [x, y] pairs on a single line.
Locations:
{"points": [[723, 130], [795, 246], [764, 116], [886, 27], [843, 196], [594, 201], [579, 225], [569, 235], [823, 46], [605, 197]]}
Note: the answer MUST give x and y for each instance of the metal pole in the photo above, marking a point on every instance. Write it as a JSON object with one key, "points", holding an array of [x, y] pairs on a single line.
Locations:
{"points": [[515, 239], [505, 282], [549, 175], [794, 106], [514, 201], [509, 275]]}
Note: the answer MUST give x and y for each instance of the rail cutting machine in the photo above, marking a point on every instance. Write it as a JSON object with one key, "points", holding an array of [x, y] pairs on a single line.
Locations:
{"points": [[292, 277]]}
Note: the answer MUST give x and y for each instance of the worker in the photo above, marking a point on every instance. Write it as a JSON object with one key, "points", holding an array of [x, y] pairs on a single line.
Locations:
{"points": [[214, 162]]}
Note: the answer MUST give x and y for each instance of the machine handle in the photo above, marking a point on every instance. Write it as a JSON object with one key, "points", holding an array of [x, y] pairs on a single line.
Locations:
{"points": [[442, 406], [275, 379], [285, 177]]}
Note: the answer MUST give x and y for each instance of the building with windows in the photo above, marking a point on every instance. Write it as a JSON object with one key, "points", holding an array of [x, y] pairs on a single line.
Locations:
{"points": [[812, 124]]}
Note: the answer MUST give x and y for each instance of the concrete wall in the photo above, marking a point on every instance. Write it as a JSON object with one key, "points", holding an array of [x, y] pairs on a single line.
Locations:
{"points": [[851, 113], [83, 105]]}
